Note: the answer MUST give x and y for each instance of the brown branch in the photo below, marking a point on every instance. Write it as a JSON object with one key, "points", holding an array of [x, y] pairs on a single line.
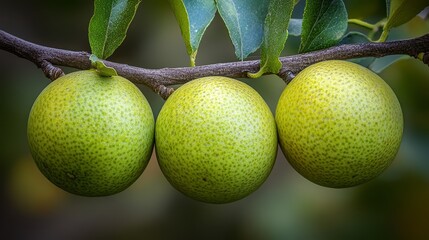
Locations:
{"points": [[159, 79]]}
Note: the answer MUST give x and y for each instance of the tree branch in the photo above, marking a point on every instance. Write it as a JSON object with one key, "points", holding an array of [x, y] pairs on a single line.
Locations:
{"points": [[159, 79]]}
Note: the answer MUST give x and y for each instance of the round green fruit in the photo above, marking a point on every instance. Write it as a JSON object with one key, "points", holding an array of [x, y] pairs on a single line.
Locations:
{"points": [[339, 124], [216, 139], [91, 135]]}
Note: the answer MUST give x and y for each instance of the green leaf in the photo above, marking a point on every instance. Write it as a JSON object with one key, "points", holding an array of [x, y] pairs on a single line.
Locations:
{"points": [[387, 8], [245, 23], [193, 16], [358, 37], [101, 68], [375, 64], [324, 23], [275, 36], [295, 27], [402, 11], [354, 37], [379, 64], [109, 25]]}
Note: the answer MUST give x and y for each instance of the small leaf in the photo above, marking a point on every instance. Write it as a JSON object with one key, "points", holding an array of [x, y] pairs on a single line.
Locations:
{"points": [[275, 36], [245, 23], [295, 27], [365, 62], [109, 24], [101, 68], [193, 16], [402, 11], [358, 37], [387, 8], [375, 64], [324, 23], [354, 37], [379, 64]]}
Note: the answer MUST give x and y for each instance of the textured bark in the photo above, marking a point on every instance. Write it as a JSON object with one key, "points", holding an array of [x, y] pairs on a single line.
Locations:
{"points": [[158, 80]]}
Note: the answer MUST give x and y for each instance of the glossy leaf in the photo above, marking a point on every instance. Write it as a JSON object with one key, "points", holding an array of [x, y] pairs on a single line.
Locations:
{"points": [[101, 68], [375, 64], [402, 11], [387, 8], [295, 27], [109, 24], [354, 37], [379, 64], [193, 16], [324, 24], [245, 23], [275, 36], [358, 37]]}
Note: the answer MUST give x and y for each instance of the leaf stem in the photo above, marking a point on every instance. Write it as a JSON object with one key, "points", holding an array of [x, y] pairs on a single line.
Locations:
{"points": [[373, 27], [383, 36], [362, 23], [192, 58]]}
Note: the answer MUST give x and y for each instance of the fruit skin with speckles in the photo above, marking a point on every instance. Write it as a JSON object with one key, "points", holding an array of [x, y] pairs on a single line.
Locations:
{"points": [[216, 140], [91, 135], [339, 124]]}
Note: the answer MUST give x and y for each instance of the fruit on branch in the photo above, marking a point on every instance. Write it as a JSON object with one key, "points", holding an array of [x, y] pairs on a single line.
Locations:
{"points": [[91, 135], [339, 124], [216, 139]]}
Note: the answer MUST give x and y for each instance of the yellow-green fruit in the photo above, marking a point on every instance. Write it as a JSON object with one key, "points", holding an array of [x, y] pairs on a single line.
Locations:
{"points": [[339, 124], [216, 139], [91, 135]]}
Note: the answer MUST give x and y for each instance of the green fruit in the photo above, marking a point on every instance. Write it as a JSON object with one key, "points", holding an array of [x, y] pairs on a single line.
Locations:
{"points": [[216, 139], [339, 124], [91, 135]]}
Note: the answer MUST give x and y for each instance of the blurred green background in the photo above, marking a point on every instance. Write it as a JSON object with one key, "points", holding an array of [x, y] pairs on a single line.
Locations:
{"points": [[392, 206]]}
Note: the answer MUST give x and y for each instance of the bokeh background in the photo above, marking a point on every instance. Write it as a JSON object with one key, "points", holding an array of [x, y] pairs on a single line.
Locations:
{"points": [[393, 206]]}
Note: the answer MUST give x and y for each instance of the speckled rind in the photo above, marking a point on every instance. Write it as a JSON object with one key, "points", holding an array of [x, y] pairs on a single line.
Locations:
{"points": [[216, 139], [339, 124], [91, 135]]}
